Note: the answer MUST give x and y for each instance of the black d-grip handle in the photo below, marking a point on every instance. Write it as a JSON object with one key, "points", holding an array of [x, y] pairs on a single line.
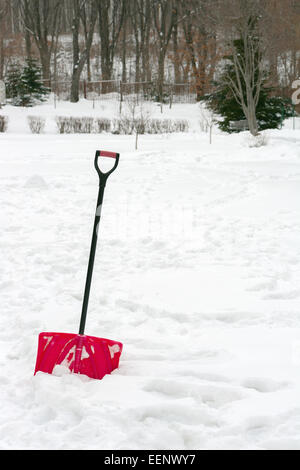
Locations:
{"points": [[104, 153]]}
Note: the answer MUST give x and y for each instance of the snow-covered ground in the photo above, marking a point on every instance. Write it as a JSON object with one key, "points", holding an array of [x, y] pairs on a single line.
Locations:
{"points": [[197, 272]]}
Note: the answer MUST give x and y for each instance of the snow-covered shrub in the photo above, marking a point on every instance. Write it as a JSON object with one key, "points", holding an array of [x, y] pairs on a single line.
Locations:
{"points": [[64, 124], [134, 118], [3, 123], [259, 140], [102, 125], [183, 125], [159, 126], [127, 126], [167, 126], [122, 126], [180, 125], [149, 126], [36, 124], [74, 125], [82, 125]]}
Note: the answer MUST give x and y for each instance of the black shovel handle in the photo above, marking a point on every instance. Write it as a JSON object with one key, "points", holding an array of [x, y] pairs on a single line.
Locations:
{"points": [[102, 182], [103, 153]]}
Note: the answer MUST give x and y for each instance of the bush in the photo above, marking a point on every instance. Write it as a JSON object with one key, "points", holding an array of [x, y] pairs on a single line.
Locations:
{"points": [[83, 125], [125, 125], [63, 124], [259, 140], [36, 124], [167, 126], [74, 125], [151, 126], [3, 123], [102, 125]]}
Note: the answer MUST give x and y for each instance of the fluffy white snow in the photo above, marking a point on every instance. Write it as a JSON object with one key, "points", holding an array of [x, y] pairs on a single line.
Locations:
{"points": [[197, 272]]}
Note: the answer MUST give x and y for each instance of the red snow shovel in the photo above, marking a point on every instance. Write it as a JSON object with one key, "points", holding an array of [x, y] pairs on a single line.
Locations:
{"points": [[81, 354]]}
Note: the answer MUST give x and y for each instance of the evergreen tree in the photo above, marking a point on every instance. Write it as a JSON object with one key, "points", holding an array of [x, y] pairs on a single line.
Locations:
{"points": [[25, 87], [270, 111], [13, 80], [32, 82]]}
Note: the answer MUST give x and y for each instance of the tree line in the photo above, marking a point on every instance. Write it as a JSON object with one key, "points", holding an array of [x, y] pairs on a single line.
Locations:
{"points": [[146, 40]]}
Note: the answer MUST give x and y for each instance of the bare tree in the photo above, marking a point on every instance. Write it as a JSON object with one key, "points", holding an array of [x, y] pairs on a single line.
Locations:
{"points": [[244, 22], [136, 116], [125, 41], [28, 37], [175, 37], [207, 120], [41, 20], [164, 18], [111, 16], [282, 36], [87, 10], [3, 12], [199, 28], [140, 17]]}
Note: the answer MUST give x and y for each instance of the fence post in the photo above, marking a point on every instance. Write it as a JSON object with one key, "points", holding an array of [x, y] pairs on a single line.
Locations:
{"points": [[121, 96], [121, 91], [84, 89], [171, 95], [55, 93]]}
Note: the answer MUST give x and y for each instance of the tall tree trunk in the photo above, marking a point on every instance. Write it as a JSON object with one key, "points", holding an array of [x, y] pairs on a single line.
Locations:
{"points": [[79, 59], [1, 56], [41, 21], [45, 56], [192, 59], [175, 49], [137, 62], [111, 16], [27, 33], [161, 73], [146, 69], [124, 35], [163, 13], [3, 13]]}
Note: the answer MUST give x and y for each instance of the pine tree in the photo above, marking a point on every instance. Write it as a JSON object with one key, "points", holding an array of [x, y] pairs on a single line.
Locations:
{"points": [[13, 80], [33, 89], [25, 87]]}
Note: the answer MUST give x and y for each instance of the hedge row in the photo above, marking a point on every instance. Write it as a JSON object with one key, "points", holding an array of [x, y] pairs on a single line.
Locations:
{"points": [[89, 125]]}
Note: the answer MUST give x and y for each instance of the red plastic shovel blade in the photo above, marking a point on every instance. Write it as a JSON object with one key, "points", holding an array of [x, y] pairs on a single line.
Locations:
{"points": [[81, 354]]}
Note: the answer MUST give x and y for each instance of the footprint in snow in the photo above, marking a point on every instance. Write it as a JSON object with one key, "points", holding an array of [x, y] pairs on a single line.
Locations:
{"points": [[263, 385], [214, 395]]}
